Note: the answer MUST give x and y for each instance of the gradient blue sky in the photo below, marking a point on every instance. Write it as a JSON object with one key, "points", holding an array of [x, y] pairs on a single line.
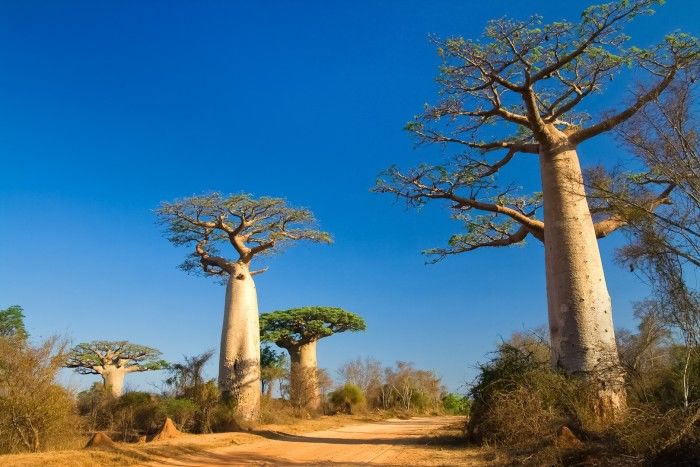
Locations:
{"points": [[107, 108]]}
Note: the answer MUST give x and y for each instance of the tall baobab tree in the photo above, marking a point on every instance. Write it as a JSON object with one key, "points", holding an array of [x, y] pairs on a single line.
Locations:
{"points": [[252, 227], [298, 330], [113, 361], [519, 90]]}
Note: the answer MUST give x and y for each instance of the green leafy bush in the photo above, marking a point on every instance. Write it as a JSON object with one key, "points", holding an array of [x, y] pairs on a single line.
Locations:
{"points": [[456, 404], [346, 399]]}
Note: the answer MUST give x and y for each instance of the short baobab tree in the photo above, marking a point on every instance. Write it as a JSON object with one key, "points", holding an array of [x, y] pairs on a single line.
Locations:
{"points": [[113, 361], [298, 330], [522, 90], [251, 227]]}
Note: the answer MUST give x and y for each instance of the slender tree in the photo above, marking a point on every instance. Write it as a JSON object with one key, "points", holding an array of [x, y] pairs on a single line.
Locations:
{"points": [[113, 361], [522, 89], [12, 322], [273, 366], [298, 330], [252, 227]]}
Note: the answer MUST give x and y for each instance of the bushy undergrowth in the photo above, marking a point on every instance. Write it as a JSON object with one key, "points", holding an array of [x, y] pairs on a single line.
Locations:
{"points": [[36, 414], [347, 399], [520, 406]]}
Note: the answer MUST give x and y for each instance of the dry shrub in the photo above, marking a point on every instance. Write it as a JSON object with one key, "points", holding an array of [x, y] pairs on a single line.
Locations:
{"points": [[277, 412], [36, 414], [655, 435], [520, 406], [520, 420]]}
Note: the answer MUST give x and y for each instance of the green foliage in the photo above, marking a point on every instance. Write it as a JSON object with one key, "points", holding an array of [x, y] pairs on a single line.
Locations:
{"points": [[12, 322], [136, 414], [456, 404], [187, 384], [346, 399], [182, 411], [273, 366], [300, 326], [88, 355]]}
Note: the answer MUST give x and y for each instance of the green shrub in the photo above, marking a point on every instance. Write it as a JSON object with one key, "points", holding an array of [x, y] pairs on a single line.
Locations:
{"points": [[346, 399], [136, 414], [181, 411], [456, 404]]}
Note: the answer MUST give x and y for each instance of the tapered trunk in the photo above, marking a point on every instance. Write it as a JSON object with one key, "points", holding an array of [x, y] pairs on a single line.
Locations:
{"points": [[113, 377], [580, 312], [239, 362], [304, 390]]}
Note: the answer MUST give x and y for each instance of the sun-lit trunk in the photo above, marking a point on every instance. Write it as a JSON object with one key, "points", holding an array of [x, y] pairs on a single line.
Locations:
{"points": [[304, 391], [580, 312], [113, 377], [239, 362]]}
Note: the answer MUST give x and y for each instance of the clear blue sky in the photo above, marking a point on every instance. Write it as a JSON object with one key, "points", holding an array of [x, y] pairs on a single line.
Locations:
{"points": [[107, 108]]}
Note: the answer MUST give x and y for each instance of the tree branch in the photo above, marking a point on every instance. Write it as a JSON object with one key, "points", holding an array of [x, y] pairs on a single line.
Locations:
{"points": [[611, 122]]}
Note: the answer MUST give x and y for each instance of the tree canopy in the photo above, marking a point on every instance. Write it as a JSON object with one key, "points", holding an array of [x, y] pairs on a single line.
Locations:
{"points": [[522, 88], [299, 326], [93, 357], [12, 322], [250, 225]]}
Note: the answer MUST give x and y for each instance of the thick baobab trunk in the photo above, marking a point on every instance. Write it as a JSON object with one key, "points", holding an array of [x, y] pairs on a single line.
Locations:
{"points": [[304, 390], [580, 312], [113, 377], [239, 362]]}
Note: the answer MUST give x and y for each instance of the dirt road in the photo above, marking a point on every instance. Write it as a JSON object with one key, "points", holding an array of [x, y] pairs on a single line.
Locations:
{"points": [[418, 441]]}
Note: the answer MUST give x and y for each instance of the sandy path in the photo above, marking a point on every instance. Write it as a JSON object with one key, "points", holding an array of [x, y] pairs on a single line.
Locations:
{"points": [[391, 442]]}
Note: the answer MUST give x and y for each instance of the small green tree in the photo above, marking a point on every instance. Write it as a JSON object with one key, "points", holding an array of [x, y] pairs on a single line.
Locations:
{"points": [[274, 366], [456, 404], [12, 322], [113, 360], [298, 330]]}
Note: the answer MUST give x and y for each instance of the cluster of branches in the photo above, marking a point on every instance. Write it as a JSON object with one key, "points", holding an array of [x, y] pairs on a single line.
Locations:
{"points": [[526, 80], [93, 357], [402, 387], [251, 226]]}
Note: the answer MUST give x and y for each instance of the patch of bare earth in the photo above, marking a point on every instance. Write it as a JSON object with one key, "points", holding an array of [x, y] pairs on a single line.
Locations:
{"points": [[337, 440]]}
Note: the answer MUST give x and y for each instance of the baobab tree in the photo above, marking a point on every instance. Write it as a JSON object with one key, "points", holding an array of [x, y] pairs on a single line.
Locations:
{"points": [[519, 90], [113, 361], [298, 330], [251, 227]]}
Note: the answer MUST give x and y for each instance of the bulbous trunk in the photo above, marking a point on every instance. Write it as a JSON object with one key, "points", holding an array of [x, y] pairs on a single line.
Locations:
{"points": [[580, 312], [113, 378], [239, 362], [304, 390]]}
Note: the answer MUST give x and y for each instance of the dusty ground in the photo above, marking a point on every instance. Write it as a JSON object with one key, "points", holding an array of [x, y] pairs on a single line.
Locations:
{"points": [[394, 442], [418, 441]]}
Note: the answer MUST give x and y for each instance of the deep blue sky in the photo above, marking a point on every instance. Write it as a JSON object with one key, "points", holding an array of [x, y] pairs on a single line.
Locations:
{"points": [[107, 108]]}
